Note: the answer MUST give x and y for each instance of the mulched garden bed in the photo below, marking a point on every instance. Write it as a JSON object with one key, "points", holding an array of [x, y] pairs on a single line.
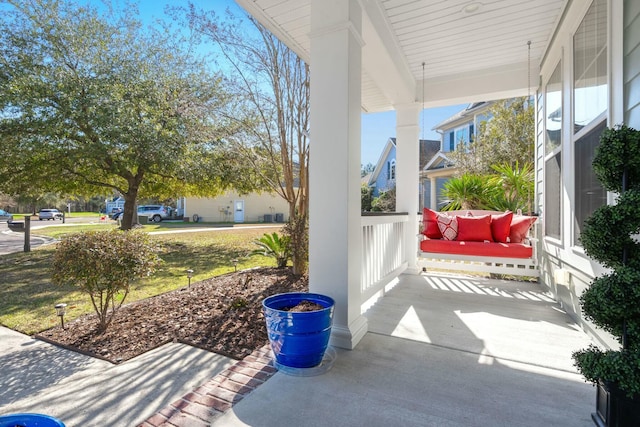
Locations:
{"points": [[221, 314]]}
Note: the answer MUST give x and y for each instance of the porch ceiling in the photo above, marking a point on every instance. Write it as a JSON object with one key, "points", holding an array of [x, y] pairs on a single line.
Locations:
{"points": [[473, 50]]}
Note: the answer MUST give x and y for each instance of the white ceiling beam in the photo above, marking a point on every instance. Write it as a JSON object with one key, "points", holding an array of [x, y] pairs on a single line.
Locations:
{"points": [[481, 85], [382, 58]]}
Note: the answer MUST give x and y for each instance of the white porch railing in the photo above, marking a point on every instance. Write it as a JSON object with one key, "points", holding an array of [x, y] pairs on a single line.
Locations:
{"points": [[383, 257]]}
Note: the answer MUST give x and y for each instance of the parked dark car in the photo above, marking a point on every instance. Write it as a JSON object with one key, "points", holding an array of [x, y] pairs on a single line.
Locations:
{"points": [[117, 214]]}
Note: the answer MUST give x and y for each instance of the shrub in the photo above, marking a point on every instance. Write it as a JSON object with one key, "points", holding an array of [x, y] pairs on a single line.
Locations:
{"points": [[467, 191], [366, 197], [612, 302], [386, 202], [509, 188], [272, 245], [103, 264]]}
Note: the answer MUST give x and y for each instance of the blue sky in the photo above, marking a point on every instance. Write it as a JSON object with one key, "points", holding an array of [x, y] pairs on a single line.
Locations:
{"points": [[377, 128]]}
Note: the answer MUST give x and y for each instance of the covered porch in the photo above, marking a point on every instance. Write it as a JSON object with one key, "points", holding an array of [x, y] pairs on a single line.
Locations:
{"points": [[371, 56], [442, 350]]}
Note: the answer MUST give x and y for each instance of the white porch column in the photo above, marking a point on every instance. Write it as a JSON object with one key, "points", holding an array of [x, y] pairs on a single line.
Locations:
{"points": [[335, 233], [408, 176]]}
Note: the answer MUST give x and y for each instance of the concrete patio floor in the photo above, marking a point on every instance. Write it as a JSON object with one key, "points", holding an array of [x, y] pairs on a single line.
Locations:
{"points": [[37, 377], [441, 350]]}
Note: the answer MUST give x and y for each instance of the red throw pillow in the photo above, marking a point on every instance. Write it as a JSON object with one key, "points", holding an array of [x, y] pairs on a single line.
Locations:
{"points": [[474, 228], [501, 226], [430, 222], [448, 226], [520, 225]]}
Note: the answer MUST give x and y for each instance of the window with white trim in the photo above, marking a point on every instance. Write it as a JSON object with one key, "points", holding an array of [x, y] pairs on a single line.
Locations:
{"points": [[590, 93], [553, 154]]}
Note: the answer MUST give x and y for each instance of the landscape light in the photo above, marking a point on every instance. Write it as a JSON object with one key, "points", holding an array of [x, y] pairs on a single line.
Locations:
{"points": [[189, 276], [61, 310]]}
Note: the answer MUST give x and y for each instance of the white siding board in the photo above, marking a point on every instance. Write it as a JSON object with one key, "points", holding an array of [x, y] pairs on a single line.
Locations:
{"points": [[632, 93], [632, 118], [631, 11], [268, 4], [504, 47], [448, 44], [285, 12], [632, 63], [632, 36], [448, 15], [473, 28]]}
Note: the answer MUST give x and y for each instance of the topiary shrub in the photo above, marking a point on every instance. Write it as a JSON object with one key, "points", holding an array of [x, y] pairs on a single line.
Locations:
{"points": [[103, 264], [612, 302]]}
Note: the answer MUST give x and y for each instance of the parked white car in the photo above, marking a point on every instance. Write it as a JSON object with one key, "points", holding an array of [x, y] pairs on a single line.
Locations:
{"points": [[155, 213], [49, 214]]}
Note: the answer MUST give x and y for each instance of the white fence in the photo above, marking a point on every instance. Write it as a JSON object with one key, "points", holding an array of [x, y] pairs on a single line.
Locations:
{"points": [[383, 257]]}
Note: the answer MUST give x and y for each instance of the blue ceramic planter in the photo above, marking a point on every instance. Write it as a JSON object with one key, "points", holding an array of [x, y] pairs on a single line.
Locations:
{"points": [[298, 339], [29, 420]]}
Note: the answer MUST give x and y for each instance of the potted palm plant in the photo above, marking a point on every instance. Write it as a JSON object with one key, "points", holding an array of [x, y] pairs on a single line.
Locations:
{"points": [[612, 302]]}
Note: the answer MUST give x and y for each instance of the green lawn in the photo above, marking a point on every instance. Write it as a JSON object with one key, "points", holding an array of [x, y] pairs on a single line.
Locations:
{"points": [[27, 297]]}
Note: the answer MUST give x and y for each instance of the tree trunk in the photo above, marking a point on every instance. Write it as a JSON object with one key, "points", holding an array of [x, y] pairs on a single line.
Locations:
{"points": [[130, 214]]}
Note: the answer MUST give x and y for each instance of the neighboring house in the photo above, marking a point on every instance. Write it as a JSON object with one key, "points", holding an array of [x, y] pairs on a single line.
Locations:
{"points": [[383, 176], [462, 127], [433, 177], [233, 207]]}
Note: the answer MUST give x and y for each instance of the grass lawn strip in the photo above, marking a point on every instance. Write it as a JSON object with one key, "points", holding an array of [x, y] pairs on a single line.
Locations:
{"points": [[27, 296]]}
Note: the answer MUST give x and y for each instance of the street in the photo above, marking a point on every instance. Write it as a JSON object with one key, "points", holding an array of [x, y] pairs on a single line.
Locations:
{"points": [[14, 242]]}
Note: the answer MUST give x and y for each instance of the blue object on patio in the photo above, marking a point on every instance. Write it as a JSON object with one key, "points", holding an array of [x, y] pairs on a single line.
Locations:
{"points": [[298, 339], [29, 420]]}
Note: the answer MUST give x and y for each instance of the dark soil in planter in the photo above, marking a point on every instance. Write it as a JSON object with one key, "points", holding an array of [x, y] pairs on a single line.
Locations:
{"points": [[222, 314], [305, 305]]}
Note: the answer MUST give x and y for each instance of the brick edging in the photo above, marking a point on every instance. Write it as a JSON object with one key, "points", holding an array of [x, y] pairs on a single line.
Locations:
{"points": [[213, 398]]}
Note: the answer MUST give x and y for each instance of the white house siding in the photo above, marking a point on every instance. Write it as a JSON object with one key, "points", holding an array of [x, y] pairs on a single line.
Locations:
{"points": [[566, 270], [221, 208], [632, 63]]}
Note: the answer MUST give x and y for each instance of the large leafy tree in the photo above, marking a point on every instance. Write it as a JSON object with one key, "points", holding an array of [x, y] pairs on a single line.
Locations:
{"points": [[273, 87], [91, 101], [508, 138]]}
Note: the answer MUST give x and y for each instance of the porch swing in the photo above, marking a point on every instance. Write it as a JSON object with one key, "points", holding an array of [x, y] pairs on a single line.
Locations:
{"points": [[479, 240]]}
